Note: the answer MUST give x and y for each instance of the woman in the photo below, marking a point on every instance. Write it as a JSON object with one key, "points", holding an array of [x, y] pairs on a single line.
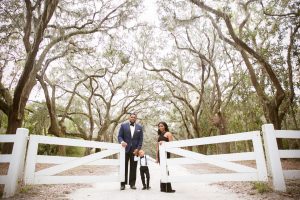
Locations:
{"points": [[163, 136]]}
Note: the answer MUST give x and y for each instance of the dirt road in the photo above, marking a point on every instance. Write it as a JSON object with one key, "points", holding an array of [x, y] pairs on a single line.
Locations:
{"points": [[190, 191]]}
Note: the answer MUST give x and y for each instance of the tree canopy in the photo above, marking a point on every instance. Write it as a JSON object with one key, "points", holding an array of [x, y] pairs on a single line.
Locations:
{"points": [[77, 68]]}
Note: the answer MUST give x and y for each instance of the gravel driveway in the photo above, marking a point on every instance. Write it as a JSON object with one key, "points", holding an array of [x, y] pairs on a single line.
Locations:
{"points": [[111, 191]]}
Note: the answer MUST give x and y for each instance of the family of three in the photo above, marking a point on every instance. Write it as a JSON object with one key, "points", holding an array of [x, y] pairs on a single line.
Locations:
{"points": [[130, 136]]}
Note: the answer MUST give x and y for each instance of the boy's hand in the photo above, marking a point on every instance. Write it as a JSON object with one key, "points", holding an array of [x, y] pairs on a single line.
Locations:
{"points": [[136, 152]]}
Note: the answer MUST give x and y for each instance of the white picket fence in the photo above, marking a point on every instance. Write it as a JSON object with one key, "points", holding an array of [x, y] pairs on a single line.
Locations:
{"points": [[48, 175], [15, 160], [273, 155], [241, 172]]}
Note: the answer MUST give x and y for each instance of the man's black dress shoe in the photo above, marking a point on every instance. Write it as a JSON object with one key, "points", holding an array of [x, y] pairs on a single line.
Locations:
{"points": [[122, 187], [144, 188], [133, 187]]}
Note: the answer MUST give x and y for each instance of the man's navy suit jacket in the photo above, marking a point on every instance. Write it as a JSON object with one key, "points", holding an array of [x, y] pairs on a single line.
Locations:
{"points": [[134, 142]]}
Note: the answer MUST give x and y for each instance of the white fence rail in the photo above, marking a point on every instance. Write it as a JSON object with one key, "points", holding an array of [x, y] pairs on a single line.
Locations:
{"points": [[273, 155], [243, 173], [47, 176], [15, 160]]}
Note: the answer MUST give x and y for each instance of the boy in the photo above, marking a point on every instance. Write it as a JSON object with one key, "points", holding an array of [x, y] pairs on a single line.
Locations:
{"points": [[144, 170]]}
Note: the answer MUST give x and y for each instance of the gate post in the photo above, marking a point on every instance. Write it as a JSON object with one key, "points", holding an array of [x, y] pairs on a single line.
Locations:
{"points": [[163, 162], [122, 164], [30, 160], [273, 157], [16, 165], [260, 157]]}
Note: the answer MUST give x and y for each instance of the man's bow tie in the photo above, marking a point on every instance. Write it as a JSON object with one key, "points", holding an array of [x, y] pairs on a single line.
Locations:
{"points": [[142, 156], [131, 124]]}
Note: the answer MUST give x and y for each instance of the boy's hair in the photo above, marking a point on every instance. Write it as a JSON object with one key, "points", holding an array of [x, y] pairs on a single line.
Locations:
{"points": [[141, 151]]}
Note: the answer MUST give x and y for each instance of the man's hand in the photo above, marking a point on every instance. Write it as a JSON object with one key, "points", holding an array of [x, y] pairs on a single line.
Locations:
{"points": [[124, 144]]}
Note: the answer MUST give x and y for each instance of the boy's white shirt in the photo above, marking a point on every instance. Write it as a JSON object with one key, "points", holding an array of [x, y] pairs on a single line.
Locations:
{"points": [[142, 161], [136, 158]]}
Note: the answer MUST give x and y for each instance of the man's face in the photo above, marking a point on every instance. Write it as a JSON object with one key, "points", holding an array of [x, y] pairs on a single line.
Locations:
{"points": [[132, 118]]}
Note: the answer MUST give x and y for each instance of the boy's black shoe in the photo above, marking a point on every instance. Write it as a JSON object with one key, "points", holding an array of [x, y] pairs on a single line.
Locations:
{"points": [[148, 187], [133, 187], [144, 188]]}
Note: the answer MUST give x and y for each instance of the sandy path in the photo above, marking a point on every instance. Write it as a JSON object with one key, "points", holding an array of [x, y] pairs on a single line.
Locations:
{"points": [[190, 191]]}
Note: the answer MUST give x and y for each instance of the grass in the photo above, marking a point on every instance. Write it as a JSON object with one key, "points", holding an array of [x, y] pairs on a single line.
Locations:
{"points": [[261, 187], [25, 189]]}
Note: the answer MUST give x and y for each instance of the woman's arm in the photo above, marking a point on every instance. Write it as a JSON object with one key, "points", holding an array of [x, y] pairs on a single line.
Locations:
{"points": [[169, 136], [157, 152]]}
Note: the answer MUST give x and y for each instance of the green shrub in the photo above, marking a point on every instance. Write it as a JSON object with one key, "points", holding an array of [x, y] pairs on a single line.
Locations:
{"points": [[75, 151], [261, 187], [25, 189]]}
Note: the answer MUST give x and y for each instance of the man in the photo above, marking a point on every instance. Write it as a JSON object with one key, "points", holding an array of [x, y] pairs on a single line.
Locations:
{"points": [[131, 137]]}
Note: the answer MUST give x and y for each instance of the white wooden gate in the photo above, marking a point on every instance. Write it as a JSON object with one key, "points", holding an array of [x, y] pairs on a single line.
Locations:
{"points": [[47, 176], [243, 173], [274, 155], [15, 160]]}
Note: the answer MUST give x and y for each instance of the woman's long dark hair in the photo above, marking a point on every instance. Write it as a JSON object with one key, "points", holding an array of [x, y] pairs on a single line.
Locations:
{"points": [[165, 125]]}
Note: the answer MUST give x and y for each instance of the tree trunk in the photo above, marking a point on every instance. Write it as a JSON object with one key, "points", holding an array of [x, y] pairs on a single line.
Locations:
{"points": [[202, 149], [272, 107], [224, 147], [27, 78], [189, 148], [61, 133], [13, 124], [275, 119], [219, 121], [103, 135], [87, 151]]}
